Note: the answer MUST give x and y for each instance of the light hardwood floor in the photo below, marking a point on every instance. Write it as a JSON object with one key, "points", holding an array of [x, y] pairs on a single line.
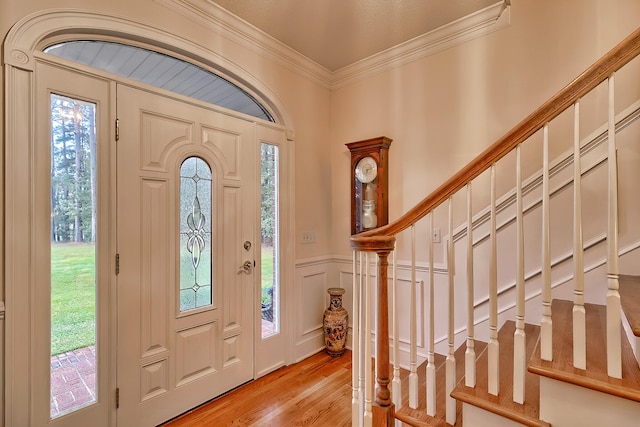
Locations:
{"points": [[314, 392]]}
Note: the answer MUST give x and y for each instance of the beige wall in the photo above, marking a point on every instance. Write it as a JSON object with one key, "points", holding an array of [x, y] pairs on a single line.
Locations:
{"points": [[443, 110]]}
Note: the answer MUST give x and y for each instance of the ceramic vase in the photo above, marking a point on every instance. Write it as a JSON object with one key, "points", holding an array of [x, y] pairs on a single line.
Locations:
{"points": [[335, 324]]}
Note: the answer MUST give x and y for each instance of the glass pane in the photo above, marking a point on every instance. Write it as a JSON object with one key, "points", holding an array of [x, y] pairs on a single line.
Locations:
{"points": [[270, 231], [195, 234], [73, 264]]}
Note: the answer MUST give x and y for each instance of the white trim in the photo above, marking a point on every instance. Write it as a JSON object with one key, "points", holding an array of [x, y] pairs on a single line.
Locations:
{"points": [[473, 26], [226, 24], [31, 33]]}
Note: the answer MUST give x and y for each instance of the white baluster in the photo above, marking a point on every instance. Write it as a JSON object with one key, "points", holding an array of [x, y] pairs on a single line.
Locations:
{"points": [[355, 352], [470, 353], [431, 363], [368, 372], [519, 337], [396, 390], [413, 365], [579, 314], [451, 360], [493, 347], [362, 340], [546, 323], [614, 343]]}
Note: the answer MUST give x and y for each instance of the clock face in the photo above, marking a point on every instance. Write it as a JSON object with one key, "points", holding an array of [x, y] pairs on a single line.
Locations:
{"points": [[366, 170]]}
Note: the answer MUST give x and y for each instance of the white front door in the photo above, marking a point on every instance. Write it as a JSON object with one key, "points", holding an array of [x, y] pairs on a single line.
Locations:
{"points": [[186, 209]]}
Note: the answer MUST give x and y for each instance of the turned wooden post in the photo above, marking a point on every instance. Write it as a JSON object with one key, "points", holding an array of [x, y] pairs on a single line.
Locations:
{"points": [[383, 409]]}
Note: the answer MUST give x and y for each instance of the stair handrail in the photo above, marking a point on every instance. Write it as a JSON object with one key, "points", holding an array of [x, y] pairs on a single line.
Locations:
{"points": [[612, 61]]}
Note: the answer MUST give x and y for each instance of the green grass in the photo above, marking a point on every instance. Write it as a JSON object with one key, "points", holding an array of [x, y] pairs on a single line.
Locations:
{"points": [[267, 270], [73, 297]]}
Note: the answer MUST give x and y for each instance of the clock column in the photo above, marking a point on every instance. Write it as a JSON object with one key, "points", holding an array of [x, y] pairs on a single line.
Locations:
{"points": [[369, 183]]}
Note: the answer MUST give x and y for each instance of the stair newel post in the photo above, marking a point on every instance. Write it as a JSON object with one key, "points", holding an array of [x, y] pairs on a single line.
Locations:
{"points": [[382, 412], [614, 342], [383, 408], [579, 313]]}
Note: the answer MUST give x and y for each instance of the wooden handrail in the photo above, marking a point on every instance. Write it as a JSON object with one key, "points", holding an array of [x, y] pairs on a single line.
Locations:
{"points": [[611, 62]]}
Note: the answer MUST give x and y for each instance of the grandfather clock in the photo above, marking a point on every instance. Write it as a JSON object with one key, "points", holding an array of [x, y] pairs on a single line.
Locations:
{"points": [[369, 183]]}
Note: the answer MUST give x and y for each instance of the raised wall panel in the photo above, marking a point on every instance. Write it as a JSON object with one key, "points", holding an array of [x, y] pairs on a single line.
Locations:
{"points": [[154, 267], [314, 299], [227, 144], [154, 379], [195, 353], [158, 135]]}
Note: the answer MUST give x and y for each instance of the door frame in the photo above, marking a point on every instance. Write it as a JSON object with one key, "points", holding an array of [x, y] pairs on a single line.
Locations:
{"points": [[22, 50]]}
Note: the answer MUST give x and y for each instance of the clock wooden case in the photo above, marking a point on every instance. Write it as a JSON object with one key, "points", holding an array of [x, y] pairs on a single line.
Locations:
{"points": [[369, 183]]}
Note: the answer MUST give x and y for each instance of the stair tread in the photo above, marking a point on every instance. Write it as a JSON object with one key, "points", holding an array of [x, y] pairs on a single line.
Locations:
{"points": [[595, 376], [503, 404], [630, 301], [418, 417]]}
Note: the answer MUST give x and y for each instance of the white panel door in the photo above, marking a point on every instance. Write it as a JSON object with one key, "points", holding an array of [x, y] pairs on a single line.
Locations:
{"points": [[175, 353]]}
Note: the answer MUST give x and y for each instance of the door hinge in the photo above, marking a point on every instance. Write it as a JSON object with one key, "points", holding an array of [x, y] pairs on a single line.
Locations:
{"points": [[117, 264], [117, 129], [118, 398]]}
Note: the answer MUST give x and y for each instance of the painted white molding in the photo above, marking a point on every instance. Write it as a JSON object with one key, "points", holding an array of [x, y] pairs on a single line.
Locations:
{"points": [[35, 31], [224, 23], [473, 26]]}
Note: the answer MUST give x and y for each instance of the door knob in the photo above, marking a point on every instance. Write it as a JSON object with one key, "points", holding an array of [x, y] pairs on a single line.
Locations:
{"points": [[246, 267]]}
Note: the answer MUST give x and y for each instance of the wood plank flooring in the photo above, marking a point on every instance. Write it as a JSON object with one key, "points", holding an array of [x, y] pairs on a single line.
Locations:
{"points": [[314, 392]]}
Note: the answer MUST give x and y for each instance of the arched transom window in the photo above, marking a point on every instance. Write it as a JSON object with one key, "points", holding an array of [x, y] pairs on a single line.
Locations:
{"points": [[162, 71]]}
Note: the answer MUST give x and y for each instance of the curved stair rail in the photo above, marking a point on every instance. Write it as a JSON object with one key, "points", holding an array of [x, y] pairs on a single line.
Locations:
{"points": [[382, 241]]}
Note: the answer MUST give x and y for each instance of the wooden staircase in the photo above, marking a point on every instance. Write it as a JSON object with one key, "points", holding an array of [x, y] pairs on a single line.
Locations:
{"points": [[561, 368], [600, 344]]}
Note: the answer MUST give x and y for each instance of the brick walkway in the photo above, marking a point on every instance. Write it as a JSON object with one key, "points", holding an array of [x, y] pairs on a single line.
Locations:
{"points": [[73, 380], [73, 377]]}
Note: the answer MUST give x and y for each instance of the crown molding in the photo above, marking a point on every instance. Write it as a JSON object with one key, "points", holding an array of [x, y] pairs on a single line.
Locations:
{"points": [[237, 30], [475, 25]]}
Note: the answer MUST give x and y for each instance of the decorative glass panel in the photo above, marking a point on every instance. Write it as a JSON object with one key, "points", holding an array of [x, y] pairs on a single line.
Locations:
{"points": [[270, 296], [73, 255], [195, 234]]}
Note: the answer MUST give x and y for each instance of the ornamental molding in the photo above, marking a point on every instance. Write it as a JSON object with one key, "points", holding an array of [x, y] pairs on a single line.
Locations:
{"points": [[226, 24], [31, 34]]}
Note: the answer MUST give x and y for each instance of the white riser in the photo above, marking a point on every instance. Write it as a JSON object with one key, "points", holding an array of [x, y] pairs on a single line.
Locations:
{"points": [[567, 405], [472, 416], [633, 340]]}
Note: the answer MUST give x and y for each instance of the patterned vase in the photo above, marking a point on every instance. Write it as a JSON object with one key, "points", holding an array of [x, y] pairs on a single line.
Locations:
{"points": [[335, 324]]}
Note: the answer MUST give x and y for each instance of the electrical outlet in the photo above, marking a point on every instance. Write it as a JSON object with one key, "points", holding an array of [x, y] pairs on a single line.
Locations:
{"points": [[308, 237], [436, 235]]}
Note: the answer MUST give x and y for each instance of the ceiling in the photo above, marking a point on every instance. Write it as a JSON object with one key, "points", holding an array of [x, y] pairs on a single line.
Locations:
{"points": [[338, 33]]}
